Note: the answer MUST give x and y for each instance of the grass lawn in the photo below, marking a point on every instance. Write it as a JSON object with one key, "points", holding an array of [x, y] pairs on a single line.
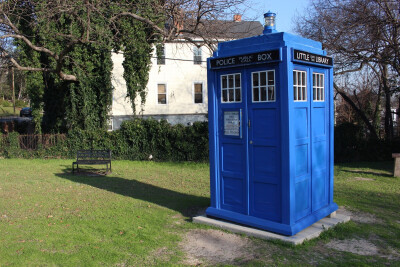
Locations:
{"points": [[139, 214], [8, 111]]}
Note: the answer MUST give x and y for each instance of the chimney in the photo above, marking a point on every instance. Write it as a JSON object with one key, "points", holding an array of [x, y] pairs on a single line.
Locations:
{"points": [[178, 20], [237, 18]]}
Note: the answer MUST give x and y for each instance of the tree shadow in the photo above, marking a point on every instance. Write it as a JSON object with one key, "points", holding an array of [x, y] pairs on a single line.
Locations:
{"points": [[187, 205], [381, 169], [375, 173]]}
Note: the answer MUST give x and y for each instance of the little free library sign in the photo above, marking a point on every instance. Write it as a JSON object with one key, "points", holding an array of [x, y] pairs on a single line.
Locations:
{"points": [[260, 57], [302, 56]]}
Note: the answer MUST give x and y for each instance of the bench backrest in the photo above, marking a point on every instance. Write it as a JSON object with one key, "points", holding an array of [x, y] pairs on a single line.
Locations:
{"points": [[93, 154]]}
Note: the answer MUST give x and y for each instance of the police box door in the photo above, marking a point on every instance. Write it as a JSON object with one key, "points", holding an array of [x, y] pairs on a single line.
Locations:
{"points": [[249, 141], [232, 138], [310, 139]]}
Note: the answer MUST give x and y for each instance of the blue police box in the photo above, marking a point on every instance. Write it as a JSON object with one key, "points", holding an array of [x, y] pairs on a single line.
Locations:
{"points": [[271, 131]]}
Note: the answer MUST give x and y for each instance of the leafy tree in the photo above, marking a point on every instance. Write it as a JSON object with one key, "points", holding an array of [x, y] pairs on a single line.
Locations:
{"points": [[363, 36], [66, 45]]}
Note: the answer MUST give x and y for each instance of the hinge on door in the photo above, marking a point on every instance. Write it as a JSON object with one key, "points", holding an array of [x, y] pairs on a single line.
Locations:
{"points": [[249, 123]]}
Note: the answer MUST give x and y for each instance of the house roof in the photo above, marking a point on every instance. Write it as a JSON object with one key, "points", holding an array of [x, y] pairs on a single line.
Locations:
{"points": [[230, 29], [223, 29], [236, 29]]}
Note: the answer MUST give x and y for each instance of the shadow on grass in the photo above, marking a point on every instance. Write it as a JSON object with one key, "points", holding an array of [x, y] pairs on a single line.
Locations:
{"points": [[375, 173], [187, 205], [381, 169]]}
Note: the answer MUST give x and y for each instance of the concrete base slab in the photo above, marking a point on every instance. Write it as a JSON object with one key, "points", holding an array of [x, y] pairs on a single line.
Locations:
{"points": [[309, 233]]}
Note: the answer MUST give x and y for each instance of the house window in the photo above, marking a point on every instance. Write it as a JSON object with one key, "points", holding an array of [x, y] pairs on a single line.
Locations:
{"points": [[263, 86], [160, 51], [197, 55], [299, 85], [162, 93], [110, 124], [198, 93], [231, 90], [318, 87]]}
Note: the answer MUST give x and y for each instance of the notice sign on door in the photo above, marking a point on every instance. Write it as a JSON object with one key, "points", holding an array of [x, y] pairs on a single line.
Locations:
{"points": [[232, 123]]}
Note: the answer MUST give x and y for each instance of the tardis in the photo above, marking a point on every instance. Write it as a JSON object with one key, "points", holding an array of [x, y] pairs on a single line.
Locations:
{"points": [[271, 131]]}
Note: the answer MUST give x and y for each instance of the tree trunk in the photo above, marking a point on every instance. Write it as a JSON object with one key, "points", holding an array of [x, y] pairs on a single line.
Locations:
{"points": [[388, 106], [371, 128]]}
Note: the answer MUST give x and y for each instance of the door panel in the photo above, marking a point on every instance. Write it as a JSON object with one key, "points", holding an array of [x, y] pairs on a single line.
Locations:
{"points": [[250, 173], [232, 144], [319, 137], [310, 118], [264, 150]]}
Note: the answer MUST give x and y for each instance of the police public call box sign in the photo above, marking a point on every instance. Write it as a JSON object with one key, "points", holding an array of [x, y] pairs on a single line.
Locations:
{"points": [[260, 57]]}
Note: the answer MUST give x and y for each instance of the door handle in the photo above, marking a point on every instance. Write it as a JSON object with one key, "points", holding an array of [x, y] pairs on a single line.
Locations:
{"points": [[251, 142], [249, 123]]}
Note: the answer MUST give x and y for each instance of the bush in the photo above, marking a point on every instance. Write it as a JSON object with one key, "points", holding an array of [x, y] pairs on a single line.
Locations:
{"points": [[136, 140], [20, 103], [352, 145]]}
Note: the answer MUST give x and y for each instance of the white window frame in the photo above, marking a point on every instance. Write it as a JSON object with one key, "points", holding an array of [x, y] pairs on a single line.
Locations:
{"points": [[166, 94], [194, 92], [267, 86], [234, 88], [319, 90], [300, 87], [200, 54]]}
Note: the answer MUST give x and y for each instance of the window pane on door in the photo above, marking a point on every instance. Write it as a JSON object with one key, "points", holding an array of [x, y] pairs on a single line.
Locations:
{"points": [[299, 85], [231, 89], [263, 86]]}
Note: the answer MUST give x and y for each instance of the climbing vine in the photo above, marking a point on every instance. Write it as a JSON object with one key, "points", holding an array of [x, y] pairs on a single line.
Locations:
{"points": [[84, 102], [137, 42]]}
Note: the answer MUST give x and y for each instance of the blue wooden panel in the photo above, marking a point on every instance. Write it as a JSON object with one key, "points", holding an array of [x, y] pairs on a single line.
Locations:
{"points": [[319, 154], [266, 167], [318, 122], [233, 194], [264, 123], [233, 158], [301, 122], [301, 152], [302, 199], [266, 201], [319, 190]]}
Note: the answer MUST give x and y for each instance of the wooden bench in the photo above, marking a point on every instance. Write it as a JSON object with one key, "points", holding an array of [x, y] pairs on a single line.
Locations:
{"points": [[92, 157]]}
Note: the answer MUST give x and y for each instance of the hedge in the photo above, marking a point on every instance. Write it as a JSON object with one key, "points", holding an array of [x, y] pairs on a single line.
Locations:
{"points": [[142, 139], [138, 139]]}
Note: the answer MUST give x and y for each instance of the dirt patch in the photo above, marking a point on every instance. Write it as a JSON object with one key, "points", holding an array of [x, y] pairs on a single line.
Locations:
{"points": [[357, 246], [211, 247], [358, 216], [363, 179], [363, 247]]}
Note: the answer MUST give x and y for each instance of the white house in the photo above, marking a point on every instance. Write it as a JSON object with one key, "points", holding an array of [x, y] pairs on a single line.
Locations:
{"points": [[177, 86]]}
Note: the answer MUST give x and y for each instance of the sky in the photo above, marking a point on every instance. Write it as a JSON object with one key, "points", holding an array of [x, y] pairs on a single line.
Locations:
{"points": [[285, 11]]}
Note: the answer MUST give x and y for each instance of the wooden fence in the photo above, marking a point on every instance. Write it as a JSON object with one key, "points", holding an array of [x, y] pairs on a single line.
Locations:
{"points": [[35, 141]]}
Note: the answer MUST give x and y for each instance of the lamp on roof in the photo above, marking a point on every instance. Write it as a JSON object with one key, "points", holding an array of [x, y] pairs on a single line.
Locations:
{"points": [[269, 26]]}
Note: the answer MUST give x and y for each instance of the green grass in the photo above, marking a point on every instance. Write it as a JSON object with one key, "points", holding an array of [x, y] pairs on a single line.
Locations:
{"points": [[137, 215], [8, 111]]}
